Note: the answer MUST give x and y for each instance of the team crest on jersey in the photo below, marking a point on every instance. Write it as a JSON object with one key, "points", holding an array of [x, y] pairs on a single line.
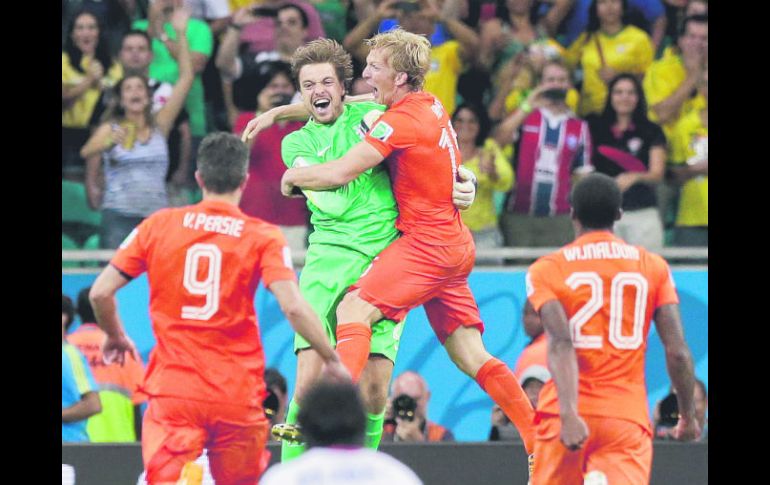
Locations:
{"points": [[634, 144], [572, 142], [381, 131]]}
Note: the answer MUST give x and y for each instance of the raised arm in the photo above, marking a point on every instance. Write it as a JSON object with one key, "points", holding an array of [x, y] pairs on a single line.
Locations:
{"points": [[226, 60], [449, 16], [168, 113], [668, 323], [562, 362], [333, 174], [354, 41]]}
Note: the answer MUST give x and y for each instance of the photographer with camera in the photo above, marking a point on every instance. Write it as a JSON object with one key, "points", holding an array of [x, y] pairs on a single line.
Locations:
{"points": [[407, 412], [552, 146]]}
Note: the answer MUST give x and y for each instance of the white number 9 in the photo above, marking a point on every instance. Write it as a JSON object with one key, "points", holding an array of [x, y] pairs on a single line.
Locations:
{"points": [[209, 286]]}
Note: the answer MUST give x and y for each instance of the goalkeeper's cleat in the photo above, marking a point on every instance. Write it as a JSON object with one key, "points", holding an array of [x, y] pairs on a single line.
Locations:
{"points": [[192, 474], [290, 433], [530, 468]]}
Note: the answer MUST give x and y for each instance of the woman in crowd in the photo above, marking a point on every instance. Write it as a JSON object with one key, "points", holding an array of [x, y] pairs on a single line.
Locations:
{"points": [[631, 148], [86, 71], [131, 145], [493, 171], [609, 46]]}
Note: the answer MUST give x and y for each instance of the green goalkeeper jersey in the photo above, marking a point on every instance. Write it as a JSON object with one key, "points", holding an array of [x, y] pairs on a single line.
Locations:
{"points": [[360, 215]]}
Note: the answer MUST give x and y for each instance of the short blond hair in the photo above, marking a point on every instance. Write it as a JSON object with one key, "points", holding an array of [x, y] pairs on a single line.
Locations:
{"points": [[322, 51], [407, 52]]}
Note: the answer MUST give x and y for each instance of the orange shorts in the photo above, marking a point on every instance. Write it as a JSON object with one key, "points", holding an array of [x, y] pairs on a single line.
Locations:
{"points": [[409, 273], [175, 431], [617, 448]]}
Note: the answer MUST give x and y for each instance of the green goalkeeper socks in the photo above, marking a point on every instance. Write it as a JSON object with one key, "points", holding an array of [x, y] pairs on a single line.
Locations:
{"points": [[373, 432], [290, 451]]}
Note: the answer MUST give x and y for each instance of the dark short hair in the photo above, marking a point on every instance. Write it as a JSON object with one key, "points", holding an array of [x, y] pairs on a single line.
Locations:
{"points": [[222, 162], [134, 32], [332, 413], [85, 310], [68, 308], [596, 199], [302, 13], [273, 378]]}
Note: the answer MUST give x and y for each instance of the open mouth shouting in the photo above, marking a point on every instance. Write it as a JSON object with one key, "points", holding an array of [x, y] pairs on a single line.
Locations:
{"points": [[322, 106]]}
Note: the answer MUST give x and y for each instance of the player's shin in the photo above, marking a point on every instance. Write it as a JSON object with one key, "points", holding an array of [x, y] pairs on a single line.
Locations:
{"points": [[498, 381], [291, 450], [353, 341]]}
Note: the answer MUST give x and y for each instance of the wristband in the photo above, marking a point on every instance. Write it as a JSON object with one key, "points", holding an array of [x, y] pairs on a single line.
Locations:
{"points": [[235, 26], [525, 107]]}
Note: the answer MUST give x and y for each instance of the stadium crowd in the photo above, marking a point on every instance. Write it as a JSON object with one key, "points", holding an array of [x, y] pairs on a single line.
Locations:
{"points": [[541, 92]]}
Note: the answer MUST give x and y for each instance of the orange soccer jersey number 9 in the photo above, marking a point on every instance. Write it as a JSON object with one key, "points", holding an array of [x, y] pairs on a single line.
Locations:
{"points": [[208, 286]]}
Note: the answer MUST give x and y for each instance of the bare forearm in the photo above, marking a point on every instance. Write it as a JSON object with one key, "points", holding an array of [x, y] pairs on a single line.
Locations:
{"points": [[291, 112], [106, 312], [555, 15], [562, 362], [467, 37], [353, 42], [71, 93], [680, 369], [94, 186], [659, 30], [667, 109], [228, 49], [319, 177], [89, 405], [506, 129], [184, 58]]}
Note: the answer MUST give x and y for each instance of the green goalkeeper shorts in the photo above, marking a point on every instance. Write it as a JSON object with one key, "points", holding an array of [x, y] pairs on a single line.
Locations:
{"points": [[328, 273]]}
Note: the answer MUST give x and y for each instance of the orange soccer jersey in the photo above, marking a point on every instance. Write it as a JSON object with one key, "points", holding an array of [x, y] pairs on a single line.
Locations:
{"points": [[204, 263], [416, 135], [609, 291]]}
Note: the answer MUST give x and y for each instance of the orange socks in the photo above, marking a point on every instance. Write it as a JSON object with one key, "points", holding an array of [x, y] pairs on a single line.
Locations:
{"points": [[502, 386], [353, 342]]}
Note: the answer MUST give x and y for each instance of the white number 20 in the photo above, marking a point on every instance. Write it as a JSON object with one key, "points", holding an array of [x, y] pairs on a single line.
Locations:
{"points": [[209, 286], [595, 303]]}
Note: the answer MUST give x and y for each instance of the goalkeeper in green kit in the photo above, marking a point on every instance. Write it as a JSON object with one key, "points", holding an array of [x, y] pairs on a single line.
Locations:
{"points": [[352, 223]]}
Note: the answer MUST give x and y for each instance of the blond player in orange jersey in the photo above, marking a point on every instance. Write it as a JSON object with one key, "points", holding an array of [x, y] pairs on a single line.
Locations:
{"points": [[205, 376], [430, 263], [596, 297]]}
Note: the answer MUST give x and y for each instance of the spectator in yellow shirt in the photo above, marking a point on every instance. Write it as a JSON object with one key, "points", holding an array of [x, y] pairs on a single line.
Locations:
{"points": [[87, 70], [670, 83], [609, 46], [689, 149], [494, 173]]}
